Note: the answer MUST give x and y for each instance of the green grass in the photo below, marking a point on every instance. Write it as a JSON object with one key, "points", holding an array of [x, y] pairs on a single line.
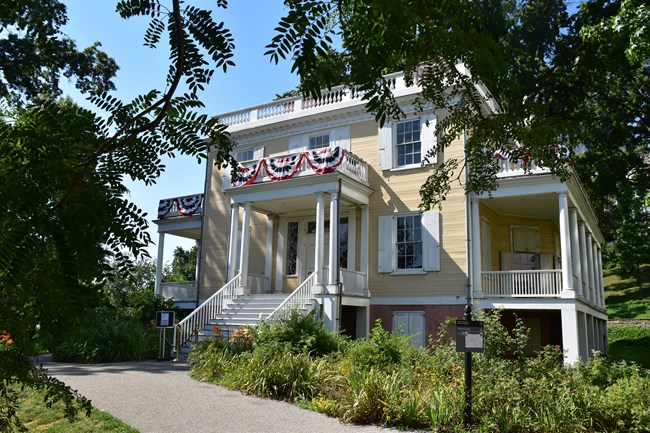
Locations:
{"points": [[38, 418], [624, 298], [630, 343]]}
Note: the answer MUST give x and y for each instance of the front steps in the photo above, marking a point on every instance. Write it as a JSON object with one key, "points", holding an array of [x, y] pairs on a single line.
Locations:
{"points": [[247, 310]]}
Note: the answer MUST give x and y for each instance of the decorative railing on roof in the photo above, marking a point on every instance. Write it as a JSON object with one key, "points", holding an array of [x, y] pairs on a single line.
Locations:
{"points": [[297, 104], [310, 162], [180, 206]]}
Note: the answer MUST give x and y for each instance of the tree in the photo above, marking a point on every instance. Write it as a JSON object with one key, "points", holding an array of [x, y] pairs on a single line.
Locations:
{"points": [[556, 81], [61, 166], [183, 265]]}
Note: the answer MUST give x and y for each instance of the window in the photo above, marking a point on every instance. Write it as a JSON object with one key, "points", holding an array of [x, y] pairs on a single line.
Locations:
{"points": [[292, 248], [319, 142], [525, 248], [337, 137], [406, 144], [409, 243], [250, 154]]}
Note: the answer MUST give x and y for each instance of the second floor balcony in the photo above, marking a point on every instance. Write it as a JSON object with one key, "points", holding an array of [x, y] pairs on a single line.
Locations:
{"points": [[297, 165]]}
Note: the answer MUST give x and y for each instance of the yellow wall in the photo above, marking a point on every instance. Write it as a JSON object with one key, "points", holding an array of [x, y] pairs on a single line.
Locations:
{"points": [[394, 191]]}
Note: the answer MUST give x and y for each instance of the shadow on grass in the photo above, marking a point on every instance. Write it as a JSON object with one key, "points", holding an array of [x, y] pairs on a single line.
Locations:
{"points": [[625, 299], [633, 349]]}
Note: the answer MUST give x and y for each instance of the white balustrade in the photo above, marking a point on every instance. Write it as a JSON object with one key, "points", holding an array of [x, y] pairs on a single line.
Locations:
{"points": [[352, 282], [179, 292], [538, 283], [207, 311], [258, 283], [301, 298]]}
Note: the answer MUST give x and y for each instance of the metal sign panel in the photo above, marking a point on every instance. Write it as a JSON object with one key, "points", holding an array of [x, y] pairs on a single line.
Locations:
{"points": [[469, 336], [164, 319]]}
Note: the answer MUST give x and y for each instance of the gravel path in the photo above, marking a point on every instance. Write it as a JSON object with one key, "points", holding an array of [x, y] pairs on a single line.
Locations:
{"points": [[160, 397]]}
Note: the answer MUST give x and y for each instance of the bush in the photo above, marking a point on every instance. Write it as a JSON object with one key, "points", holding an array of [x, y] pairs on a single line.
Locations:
{"points": [[300, 333], [107, 338], [387, 382]]}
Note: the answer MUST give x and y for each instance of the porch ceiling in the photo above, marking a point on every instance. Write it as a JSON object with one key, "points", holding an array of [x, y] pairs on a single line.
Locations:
{"points": [[534, 206]]}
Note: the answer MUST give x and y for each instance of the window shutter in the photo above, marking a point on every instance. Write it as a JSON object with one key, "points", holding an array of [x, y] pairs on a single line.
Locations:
{"points": [[385, 235], [400, 323], [386, 146], [297, 145], [506, 260], [341, 137], [428, 137], [258, 152], [431, 241]]}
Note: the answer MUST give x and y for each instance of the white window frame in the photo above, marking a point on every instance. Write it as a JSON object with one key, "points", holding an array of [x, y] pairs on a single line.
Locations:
{"points": [[257, 152], [316, 137], [387, 138], [338, 137], [387, 243]]}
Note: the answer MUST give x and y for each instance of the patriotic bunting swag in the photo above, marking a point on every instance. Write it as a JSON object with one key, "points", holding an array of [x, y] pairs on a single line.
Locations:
{"points": [[322, 161], [186, 206]]}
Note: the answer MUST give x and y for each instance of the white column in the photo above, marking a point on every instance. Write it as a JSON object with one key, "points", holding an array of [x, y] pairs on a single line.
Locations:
{"points": [[334, 241], [575, 250], [565, 245], [280, 256], [319, 242], [268, 251], [232, 241], [583, 259], [245, 244], [587, 337], [352, 238], [160, 263], [590, 267], [601, 292], [570, 335], [476, 251], [594, 257], [363, 250]]}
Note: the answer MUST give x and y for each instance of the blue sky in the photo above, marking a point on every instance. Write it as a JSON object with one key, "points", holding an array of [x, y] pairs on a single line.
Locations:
{"points": [[254, 80]]}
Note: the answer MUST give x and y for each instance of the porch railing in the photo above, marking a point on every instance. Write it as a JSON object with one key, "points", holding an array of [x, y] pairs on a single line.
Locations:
{"points": [[350, 165], [179, 292], [353, 282], [302, 297], [537, 283], [258, 283], [207, 311]]}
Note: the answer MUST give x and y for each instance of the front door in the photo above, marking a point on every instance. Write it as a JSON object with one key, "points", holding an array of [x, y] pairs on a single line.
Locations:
{"points": [[311, 255]]}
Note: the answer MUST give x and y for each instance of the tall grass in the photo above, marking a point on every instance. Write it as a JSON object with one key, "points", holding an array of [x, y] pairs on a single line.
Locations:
{"points": [[385, 381]]}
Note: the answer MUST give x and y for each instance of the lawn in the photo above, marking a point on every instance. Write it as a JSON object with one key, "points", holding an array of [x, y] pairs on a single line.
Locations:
{"points": [[630, 343], [625, 299], [38, 418]]}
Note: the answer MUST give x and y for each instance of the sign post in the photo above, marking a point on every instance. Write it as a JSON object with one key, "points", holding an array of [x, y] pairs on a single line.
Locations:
{"points": [[164, 320], [469, 339]]}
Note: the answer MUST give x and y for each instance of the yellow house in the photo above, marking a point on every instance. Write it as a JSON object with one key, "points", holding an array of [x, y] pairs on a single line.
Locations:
{"points": [[323, 215]]}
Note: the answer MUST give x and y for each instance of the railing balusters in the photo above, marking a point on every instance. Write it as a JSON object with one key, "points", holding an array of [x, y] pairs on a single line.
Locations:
{"points": [[536, 283]]}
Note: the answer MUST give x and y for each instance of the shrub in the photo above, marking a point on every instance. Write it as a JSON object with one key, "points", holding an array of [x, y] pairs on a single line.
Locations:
{"points": [[300, 333], [104, 337]]}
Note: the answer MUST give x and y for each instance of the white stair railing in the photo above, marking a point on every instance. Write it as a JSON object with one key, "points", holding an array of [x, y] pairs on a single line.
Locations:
{"points": [[300, 298], [207, 311]]}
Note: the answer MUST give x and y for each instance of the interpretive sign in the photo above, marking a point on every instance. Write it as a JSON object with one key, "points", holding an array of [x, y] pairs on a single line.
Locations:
{"points": [[469, 336]]}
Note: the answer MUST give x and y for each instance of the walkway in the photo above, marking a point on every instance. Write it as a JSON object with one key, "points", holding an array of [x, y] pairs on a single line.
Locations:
{"points": [[159, 397]]}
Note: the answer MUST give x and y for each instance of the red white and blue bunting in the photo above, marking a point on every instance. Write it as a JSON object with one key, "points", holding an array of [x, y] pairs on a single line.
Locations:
{"points": [[186, 206], [322, 161]]}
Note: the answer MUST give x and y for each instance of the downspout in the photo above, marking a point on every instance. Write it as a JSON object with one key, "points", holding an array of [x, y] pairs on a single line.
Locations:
{"points": [[199, 250]]}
